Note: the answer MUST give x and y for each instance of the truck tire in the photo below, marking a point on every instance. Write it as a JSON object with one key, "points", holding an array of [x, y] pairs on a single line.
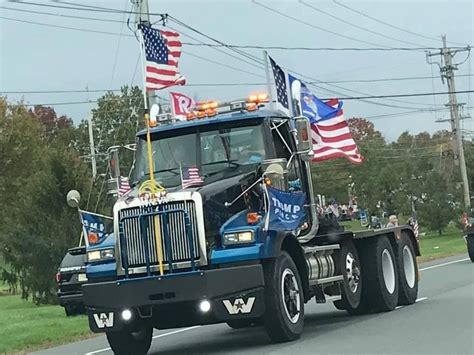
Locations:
{"points": [[284, 314], [125, 342], [379, 276], [351, 287], [407, 271], [470, 246]]}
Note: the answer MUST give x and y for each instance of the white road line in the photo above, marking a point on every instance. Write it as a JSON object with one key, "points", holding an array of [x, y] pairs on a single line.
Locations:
{"points": [[418, 300], [421, 299], [197, 326], [444, 264], [155, 337]]}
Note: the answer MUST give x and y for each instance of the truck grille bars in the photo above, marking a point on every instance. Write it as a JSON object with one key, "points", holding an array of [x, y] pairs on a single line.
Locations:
{"points": [[171, 226]]}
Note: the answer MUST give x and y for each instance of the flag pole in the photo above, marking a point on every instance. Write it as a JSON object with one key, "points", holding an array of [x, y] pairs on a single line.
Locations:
{"points": [[146, 115], [267, 76]]}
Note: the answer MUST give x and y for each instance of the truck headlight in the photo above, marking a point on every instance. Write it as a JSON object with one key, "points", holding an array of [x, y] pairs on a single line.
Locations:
{"points": [[99, 255], [239, 238]]}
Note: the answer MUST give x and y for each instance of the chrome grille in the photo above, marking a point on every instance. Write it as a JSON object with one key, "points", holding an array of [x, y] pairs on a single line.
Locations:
{"points": [[134, 237]]}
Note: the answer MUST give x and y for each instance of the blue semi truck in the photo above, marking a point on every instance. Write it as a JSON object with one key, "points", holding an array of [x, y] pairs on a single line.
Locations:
{"points": [[234, 236]]}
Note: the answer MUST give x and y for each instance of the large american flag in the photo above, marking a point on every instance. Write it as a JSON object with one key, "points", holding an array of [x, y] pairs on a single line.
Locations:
{"points": [[191, 177], [332, 137], [162, 53]]}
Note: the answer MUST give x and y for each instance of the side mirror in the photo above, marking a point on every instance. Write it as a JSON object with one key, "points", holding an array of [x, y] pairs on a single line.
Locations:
{"points": [[304, 143], [73, 198]]}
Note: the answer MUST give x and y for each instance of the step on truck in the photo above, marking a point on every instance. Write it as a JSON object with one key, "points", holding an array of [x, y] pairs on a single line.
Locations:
{"points": [[221, 226]]}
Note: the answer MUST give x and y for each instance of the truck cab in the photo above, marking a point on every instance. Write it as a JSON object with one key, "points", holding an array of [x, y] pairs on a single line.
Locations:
{"points": [[222, 239]]}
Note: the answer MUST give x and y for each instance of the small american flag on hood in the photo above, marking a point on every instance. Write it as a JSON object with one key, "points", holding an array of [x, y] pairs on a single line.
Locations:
{"points": [[191, 177]]}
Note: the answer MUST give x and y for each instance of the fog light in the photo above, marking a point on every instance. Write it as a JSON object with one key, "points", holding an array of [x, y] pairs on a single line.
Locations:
{"points": [[205, 306], [126, 314]]}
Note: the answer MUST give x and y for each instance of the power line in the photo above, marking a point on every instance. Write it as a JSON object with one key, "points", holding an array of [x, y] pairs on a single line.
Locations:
{"points": [[83, 8], [405, 95], [357, 26], [60, 15], [328, 98], [126, 35], [203, 44], [388, 24], [315, 26], [226, 84]]}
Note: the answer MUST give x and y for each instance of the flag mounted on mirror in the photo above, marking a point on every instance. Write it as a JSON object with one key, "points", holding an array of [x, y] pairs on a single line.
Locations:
{"points": [[162, 51], [330, 132]]}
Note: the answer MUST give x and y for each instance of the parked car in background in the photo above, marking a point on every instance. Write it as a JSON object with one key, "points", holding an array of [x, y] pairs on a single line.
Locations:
{"points": [[70, 277]]}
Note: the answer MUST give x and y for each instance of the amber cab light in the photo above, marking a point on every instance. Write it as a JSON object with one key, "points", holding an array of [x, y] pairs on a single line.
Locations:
{"points": [[253, 217], [93, 238]]}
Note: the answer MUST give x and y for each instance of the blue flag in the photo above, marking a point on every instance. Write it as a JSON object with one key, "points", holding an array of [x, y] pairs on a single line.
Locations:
{"points": [[313, 108], [93, 224], [286, 209]]}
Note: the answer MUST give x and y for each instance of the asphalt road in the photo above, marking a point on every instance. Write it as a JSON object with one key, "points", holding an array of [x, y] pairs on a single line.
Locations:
{"points": [[441, 322]]}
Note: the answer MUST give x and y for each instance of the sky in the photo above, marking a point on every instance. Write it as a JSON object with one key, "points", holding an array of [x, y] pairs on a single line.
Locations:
{"points": [[43, 56]]}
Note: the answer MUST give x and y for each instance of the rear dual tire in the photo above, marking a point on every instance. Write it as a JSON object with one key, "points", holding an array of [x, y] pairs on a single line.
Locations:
{"points": [[351, 287], [380, 276], [407, 270]]}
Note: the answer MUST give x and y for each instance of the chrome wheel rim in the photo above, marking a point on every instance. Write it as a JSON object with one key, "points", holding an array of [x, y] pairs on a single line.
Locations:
{"points": [[352, 272], [409, 266], [290, 293], [388, 271]]}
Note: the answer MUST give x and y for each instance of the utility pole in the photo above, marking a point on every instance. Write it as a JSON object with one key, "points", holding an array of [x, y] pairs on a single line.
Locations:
{"points": [[447, 68], [92, 147]]}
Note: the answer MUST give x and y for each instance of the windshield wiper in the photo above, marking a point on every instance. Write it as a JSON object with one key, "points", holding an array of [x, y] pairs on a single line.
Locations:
{"points": [[171, 170], [232, 162]]}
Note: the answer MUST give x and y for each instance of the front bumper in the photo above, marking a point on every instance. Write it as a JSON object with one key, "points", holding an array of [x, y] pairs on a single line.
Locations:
{"points": [[173, 300]]}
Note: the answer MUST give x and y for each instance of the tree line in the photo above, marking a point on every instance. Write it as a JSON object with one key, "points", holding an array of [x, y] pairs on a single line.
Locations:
{"points": [[44, 155]]}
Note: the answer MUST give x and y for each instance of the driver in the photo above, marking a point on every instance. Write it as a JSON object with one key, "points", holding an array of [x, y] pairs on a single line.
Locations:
{"points": [[255, 153]]}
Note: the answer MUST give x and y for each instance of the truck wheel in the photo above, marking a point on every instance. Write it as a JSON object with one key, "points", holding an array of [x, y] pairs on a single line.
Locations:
{"points": [[379, 276], [352, 284], [125, 342], [244, 323], [284, 315], [407, 271]]}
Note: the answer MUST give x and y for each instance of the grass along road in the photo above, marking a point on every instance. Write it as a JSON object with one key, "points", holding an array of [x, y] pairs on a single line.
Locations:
{"points": [[25, 327]]}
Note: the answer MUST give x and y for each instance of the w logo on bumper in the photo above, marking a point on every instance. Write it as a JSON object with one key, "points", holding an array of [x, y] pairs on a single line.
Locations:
{"points": [[239, 306], [103, 320]]}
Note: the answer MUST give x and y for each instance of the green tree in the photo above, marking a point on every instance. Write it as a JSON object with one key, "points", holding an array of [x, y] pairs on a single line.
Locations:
{"points": [[36, 226], [436, 209]]}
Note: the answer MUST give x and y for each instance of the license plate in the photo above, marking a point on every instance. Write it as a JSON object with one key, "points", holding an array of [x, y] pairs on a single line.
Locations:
{"points": [[82, 277]]}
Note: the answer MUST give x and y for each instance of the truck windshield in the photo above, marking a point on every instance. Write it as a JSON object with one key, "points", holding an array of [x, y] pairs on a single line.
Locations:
{"points": [[227, 151]]}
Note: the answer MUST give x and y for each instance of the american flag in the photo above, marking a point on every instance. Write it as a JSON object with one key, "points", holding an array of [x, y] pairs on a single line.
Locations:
{"points": [[123, 185], [162, 52], [191, 177], [332, 137], [280, 84], [414, 225]]}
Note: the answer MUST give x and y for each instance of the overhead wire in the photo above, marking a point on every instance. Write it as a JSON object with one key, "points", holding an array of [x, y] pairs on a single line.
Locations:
{"points": [[389, 24], [315, 26], [219, 84], [357, 26]]}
